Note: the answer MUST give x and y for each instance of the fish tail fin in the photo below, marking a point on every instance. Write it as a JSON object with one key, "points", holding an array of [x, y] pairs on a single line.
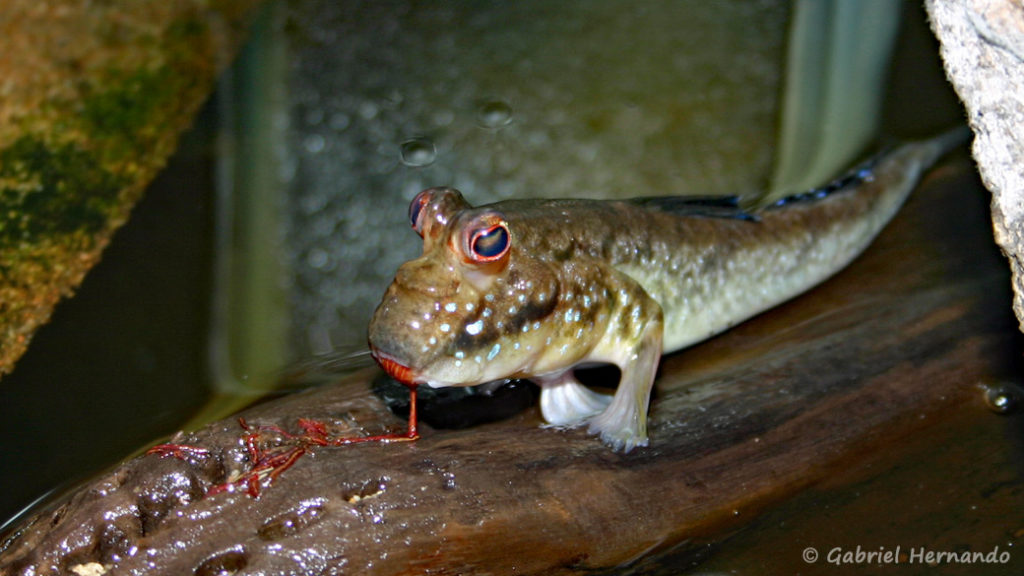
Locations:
{"points": [[932, 149]]}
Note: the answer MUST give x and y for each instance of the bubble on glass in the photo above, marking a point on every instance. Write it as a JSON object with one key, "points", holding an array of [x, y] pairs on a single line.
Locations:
{"points": [[368, 110], [418, 152], [1002, 398], [339, 122], [494, 114], [314, 143], [318, 258]]}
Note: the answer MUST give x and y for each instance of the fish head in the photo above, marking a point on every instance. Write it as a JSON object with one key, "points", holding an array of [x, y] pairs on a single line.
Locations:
{"points": [[471, 308]]}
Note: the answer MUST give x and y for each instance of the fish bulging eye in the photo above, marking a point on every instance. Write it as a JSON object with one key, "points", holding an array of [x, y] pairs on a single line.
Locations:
{"points": [[489, 243], [416, 210]]}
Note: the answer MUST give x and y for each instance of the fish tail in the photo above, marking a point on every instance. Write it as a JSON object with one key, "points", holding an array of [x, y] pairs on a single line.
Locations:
{"points": [[932, 149]]}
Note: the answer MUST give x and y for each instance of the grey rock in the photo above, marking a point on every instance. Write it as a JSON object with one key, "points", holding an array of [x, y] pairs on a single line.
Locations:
{"points": [[983, 50]]}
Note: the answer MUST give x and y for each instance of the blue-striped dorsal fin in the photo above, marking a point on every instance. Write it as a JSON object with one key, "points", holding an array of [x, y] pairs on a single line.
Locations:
{"points": [[852, 178], [727, 207]]}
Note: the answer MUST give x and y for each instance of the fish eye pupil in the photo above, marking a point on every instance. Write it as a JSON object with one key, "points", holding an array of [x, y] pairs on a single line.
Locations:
{"points": [[416, 208], [490, 243]]}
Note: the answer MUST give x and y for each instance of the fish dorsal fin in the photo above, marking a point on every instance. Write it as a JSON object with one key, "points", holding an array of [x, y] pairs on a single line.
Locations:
{"points": [[851, 179], [727, 207]]}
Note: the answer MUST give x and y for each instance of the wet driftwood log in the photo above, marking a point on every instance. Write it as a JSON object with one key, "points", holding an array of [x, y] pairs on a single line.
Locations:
{"points": [[911, 330]]}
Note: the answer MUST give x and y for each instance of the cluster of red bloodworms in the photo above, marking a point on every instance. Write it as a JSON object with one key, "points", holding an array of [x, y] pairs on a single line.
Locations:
{"points": [[266, 464]]}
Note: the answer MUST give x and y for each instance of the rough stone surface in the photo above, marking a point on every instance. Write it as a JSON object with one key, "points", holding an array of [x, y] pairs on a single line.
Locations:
{"points": [[983, 50], [93, 97]]}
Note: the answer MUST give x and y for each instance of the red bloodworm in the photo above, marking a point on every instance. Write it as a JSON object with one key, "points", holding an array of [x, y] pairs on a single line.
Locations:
{"points": [[272, 465], [179, 451], [397, 371]]}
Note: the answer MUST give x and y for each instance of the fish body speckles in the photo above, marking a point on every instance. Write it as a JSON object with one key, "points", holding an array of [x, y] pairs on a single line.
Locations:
{"points": [[533, 288]]}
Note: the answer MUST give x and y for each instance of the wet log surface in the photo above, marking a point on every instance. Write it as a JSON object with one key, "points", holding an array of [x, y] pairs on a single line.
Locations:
{"points": [[909, 332]]}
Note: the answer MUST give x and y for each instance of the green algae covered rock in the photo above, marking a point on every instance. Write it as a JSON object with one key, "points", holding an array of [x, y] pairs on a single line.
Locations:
{"points": [[93, 97]]}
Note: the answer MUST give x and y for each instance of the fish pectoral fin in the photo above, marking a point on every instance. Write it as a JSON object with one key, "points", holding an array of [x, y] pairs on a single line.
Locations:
{"points": [[564, 401], [623, 424]]}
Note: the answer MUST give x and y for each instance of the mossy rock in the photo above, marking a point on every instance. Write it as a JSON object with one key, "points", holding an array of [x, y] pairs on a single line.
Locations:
{"points": [[94, 100]]}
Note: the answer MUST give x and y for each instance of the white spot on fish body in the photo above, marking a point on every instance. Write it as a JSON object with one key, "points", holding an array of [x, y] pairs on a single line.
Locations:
{"points": [[475, 328], [494, 352], [451, 307], [445, 327]]}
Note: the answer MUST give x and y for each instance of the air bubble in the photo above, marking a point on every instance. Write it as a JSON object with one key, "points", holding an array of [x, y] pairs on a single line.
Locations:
{"points": [[1002, 399], [495, 114], [339, 122], [418, 152], [368, 110], [314, 143], [318, 258]]}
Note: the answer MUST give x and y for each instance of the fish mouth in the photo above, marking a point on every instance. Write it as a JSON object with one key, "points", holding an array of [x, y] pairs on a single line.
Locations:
{"points": [[394, 368], [404, 374]]}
